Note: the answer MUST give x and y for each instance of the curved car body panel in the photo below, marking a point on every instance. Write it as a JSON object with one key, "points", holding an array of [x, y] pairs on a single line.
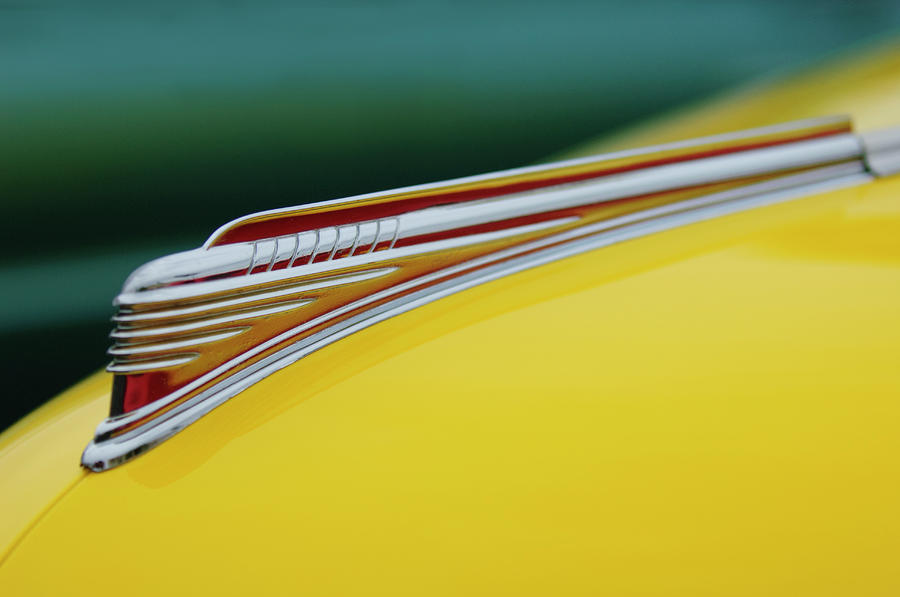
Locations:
{"points": [[708, 409]]}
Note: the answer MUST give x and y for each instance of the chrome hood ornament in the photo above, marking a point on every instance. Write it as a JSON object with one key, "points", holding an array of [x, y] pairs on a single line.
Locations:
{"points": [[195, 328]]}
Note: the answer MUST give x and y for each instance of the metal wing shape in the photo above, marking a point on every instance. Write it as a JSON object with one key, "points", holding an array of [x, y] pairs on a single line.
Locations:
{"points": [[195, 328]]}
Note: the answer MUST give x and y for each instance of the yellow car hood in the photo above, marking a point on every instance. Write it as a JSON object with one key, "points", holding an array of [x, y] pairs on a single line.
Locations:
{"points": [[707, 410]]}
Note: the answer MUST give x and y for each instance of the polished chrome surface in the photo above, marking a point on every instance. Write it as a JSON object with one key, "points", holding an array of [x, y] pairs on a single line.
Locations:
{"points": [[303, 248], [489, 177], [329, 281], [882, 151], [99, 456]]}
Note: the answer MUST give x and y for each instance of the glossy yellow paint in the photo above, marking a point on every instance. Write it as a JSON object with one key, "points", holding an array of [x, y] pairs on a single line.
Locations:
{"points": [[710, 410], [39, 455]]}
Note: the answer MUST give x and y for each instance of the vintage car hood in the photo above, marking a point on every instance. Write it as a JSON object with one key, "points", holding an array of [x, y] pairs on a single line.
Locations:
{"points": [[714, 403]]}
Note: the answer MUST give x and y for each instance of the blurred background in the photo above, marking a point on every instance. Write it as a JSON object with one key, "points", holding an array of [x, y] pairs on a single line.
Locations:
{"points": [[132, 130]]}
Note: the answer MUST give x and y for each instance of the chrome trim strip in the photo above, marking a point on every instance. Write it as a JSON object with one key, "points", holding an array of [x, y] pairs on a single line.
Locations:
{"points": [[202, 263], [119, 350], [481, 178], [152, 364], [490, 226], [134, 292], [882, 151], [217, 307], [150, 408], [644, 182], [194, 325], [105, 452]]}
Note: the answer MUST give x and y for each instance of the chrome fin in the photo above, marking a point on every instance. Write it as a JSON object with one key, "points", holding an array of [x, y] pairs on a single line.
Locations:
{"points": [[196, 328]]}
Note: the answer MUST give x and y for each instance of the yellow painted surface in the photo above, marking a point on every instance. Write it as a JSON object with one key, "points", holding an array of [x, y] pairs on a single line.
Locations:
{"points": [[710, 410], [39, 455]]}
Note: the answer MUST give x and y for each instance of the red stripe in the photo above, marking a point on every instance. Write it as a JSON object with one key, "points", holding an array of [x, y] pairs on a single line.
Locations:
{"points": [[291, 224]]}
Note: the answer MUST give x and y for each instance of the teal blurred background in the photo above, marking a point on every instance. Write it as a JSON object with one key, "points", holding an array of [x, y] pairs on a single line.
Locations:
{"points": [[128, 131]]}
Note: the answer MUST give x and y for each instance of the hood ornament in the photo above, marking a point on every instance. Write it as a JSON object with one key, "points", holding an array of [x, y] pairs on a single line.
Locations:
{"points": [[195, 328]]}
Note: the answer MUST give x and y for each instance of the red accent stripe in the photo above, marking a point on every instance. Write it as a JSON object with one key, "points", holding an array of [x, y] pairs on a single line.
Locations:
{"points": [[140, 389], [280, 225]]}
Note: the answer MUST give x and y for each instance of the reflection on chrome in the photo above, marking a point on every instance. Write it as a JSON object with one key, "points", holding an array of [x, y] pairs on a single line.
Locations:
{"points": [[195, 328]]}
